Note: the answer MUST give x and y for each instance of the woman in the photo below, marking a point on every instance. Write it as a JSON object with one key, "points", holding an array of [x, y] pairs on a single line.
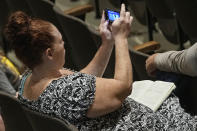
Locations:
{"points": [[84, 98]]}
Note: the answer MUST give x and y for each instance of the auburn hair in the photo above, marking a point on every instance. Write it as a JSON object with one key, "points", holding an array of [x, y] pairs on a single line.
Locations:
{"points": [[29, 37]]}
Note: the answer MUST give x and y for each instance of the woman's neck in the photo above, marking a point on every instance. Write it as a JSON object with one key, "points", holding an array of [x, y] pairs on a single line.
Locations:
{"points": [[41, 72]]}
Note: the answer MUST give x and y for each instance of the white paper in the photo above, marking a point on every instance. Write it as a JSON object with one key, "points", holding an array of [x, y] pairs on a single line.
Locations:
{"points": [[151, 93]]}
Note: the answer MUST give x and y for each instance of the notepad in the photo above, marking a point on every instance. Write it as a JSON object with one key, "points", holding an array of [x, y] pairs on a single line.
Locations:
{"points": [[151, 93]]}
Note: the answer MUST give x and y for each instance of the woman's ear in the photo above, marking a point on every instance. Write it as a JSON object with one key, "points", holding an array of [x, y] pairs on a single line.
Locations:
{"points": [[49, 53]]}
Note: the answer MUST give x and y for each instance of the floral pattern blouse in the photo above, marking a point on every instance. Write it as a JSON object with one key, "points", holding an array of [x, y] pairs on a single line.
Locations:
{"points": [[69, 98]]}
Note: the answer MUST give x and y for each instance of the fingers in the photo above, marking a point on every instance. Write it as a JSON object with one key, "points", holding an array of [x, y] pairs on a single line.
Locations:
{"points": [[150, 65], [122, 11], [103, 23], [128, 17], [121, 27], [149, 68], [125, 15], [103, 18], [131, 19], [103, 28]]}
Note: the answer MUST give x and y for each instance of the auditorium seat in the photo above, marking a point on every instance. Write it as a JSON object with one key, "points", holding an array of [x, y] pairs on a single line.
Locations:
{"points": [[163, 10], [43, 122], [186, 14], [12, 113]]}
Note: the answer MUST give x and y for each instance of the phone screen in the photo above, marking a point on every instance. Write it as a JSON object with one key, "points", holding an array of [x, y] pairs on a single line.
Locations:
{"points": [[112, 15]]}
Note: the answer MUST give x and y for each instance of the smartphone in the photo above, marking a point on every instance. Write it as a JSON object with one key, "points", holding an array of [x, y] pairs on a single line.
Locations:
{"points": [[111, 15]]}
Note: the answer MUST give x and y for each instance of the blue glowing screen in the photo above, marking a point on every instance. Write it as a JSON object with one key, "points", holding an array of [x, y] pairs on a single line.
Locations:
{"points": [[113, 15]]}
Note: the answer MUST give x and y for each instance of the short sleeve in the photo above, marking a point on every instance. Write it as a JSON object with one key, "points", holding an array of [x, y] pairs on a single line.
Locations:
{"points": [[75, 94]]}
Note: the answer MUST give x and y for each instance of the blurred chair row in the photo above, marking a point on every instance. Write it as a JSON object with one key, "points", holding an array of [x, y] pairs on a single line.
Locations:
{"points": [[19, 118], [176, 18]]}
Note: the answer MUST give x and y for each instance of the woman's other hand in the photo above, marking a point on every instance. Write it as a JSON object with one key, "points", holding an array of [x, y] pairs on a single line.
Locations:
{"points": [[105, 32], [121, 27], [150, 65]]}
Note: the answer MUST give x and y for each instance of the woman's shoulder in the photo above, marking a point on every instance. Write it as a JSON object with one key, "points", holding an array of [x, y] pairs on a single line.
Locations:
{"points": [[74, 81], [76, 76]]}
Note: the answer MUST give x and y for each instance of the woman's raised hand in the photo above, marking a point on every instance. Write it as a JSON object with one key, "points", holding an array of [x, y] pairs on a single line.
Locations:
{"points": [[105, 32], [121, 27]]}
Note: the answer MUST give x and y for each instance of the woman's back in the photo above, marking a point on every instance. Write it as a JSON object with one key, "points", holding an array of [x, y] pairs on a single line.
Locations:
{"points": [[67, 97], [34, 85]]}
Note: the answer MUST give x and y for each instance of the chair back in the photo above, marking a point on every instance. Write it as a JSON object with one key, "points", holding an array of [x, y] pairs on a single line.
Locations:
{"points": [[79, 37], [139, 62], [115, 3], [13, 116], [186, 14], [42, 122], [138, 8], [186, 91], [4, 12], [16, 5], [43, 9], [163, 10]]}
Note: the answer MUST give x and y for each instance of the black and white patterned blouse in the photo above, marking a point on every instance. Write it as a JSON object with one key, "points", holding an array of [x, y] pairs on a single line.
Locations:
{"points": [[69, 98]]}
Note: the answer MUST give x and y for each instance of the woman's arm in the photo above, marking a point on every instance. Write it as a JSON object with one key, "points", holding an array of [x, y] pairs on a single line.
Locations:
{"points": [[99, 63], [110, 93], [184, 61]]}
